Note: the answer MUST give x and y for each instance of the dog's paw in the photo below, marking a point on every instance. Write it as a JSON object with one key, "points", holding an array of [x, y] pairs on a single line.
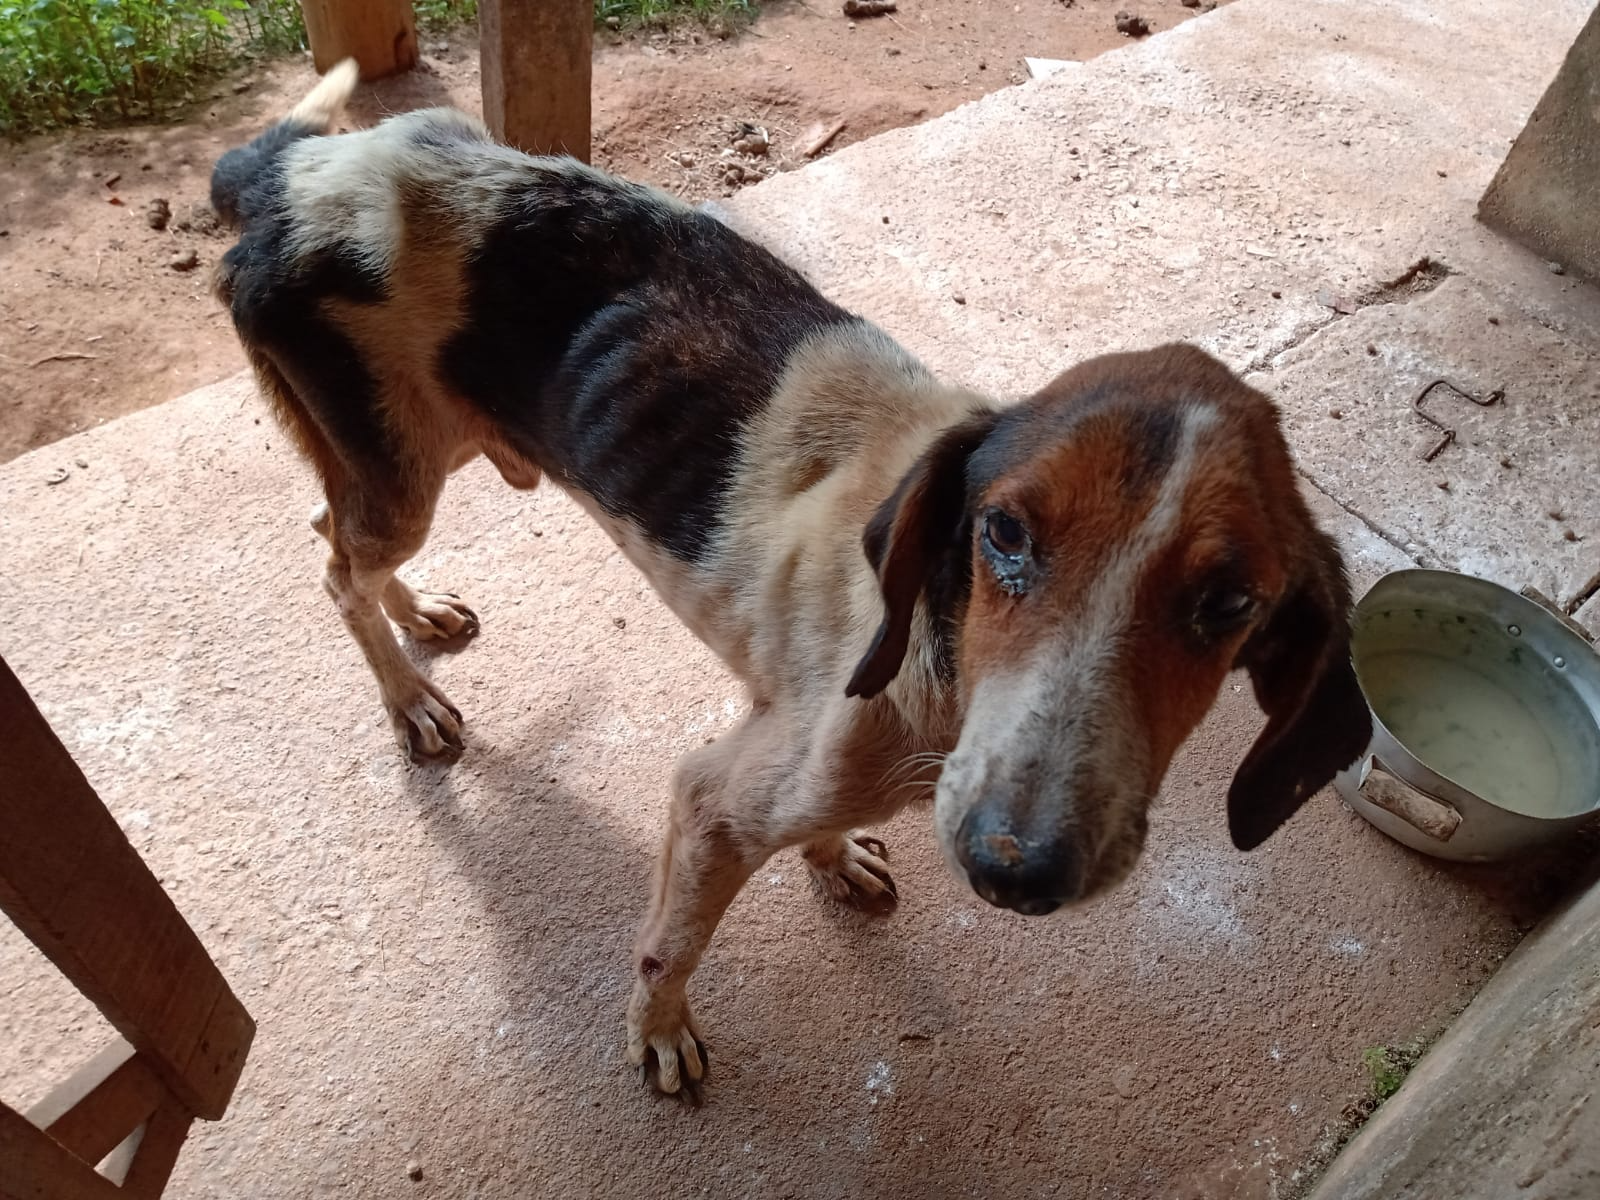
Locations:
{"points": [[433, 617], [664, 1043], [854, 870], [427, 725]]}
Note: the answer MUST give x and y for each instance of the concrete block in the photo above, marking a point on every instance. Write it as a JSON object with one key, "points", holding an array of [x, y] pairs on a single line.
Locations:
{"points": [[1589, 615], [1504, 1104], [1544, 194]]}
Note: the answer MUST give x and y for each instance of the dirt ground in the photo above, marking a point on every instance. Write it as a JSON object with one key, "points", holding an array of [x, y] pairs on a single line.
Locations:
{"points": [[101, 314]]}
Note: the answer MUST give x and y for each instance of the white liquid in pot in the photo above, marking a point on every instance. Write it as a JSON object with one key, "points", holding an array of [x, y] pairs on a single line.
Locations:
{"points": [[1488, 715]]}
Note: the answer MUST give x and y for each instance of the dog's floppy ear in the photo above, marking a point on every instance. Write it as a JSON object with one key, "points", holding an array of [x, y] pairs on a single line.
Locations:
{"points": [[1318, 721], [905, 539]]}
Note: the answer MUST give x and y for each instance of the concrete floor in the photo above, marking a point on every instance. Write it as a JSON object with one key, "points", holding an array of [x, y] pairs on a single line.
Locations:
{"points": [[438, 959]]}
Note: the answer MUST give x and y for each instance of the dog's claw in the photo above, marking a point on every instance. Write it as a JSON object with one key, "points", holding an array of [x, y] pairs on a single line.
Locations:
{"points": [[688, 1090], [428, 727], [449, 754], [854, 871], [438, 616], [664, 1043]]}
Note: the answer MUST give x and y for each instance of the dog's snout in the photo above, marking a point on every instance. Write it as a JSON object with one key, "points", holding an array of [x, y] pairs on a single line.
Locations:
{"points": [[1014, 869]]}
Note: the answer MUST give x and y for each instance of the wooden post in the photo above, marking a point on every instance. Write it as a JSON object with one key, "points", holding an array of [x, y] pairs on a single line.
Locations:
{"points": [[536, 57], [381, 35]]}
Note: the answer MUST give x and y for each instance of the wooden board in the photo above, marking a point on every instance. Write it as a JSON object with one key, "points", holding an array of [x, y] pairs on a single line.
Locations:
{"points": [[101, 1103], [34, 1167], [78, 890]]}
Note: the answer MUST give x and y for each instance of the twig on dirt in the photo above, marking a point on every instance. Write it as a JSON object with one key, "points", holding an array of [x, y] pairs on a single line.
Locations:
{"points": [[820, 143], [60, 356], [868, 8]]}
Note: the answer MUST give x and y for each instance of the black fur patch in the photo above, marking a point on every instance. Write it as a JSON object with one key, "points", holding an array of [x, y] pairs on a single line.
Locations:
{"points": [[241, 187], [277, 307], [622, 344], [1154, 433], [1047, 421]]}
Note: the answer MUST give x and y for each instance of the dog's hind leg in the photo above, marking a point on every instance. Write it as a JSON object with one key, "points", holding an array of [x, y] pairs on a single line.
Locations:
{"points": [[371, 531], [367, 542]]}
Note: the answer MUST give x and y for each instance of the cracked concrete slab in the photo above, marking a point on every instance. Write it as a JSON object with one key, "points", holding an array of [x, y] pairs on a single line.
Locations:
{"points": [[1511, 497]]}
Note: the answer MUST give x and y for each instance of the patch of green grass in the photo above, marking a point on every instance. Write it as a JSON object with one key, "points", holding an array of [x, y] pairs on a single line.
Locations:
{"points": [[1387, 1068], [67, 60], [721, 16], [434, 15], [70, 62]]}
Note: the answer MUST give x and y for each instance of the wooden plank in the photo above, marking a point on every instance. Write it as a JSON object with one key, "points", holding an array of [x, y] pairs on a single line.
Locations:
{"points": [[381, 35], [91, 1116], [33, 1166], [536, 58], [158, 1152], [72, 883], [67, 1094]]}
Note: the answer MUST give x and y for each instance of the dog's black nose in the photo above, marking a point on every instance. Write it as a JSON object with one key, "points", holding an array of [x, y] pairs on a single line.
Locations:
{"points": [[1015, 870]]}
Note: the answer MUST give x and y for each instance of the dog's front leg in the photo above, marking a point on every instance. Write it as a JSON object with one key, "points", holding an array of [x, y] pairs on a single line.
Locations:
{"points": [[718, 834]]}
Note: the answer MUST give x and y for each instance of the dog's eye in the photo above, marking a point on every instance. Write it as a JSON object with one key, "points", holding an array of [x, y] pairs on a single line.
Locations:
{"points": [[1005, 534], [1223, 609], [1008, 549]]}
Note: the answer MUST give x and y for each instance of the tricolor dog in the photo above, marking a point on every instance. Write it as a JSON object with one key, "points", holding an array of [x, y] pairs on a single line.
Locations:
{"points": [[1024, 608]]}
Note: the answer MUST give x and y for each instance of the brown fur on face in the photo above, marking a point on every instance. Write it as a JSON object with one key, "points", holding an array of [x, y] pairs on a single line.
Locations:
{"points": [[1162, 542]]}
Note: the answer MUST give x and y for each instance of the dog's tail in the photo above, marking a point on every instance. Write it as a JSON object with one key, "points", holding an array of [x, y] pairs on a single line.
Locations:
{"points": [[237, 171]]}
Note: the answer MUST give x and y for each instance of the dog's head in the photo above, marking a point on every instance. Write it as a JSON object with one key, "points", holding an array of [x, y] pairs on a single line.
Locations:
{"points": [[1123, 539]]}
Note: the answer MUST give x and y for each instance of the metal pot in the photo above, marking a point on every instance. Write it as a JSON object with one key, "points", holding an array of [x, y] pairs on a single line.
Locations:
{"points": [[1486, 718]]}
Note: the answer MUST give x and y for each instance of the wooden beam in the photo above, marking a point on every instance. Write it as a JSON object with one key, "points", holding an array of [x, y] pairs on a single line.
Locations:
{"points": [[381, 35], [536, 57], [94, 1111], [72, 883], [33, 1166], [158, 1152]]}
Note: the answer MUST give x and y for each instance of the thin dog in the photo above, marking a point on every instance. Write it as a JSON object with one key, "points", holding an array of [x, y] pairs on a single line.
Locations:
{"points": [[1024, 609]]}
